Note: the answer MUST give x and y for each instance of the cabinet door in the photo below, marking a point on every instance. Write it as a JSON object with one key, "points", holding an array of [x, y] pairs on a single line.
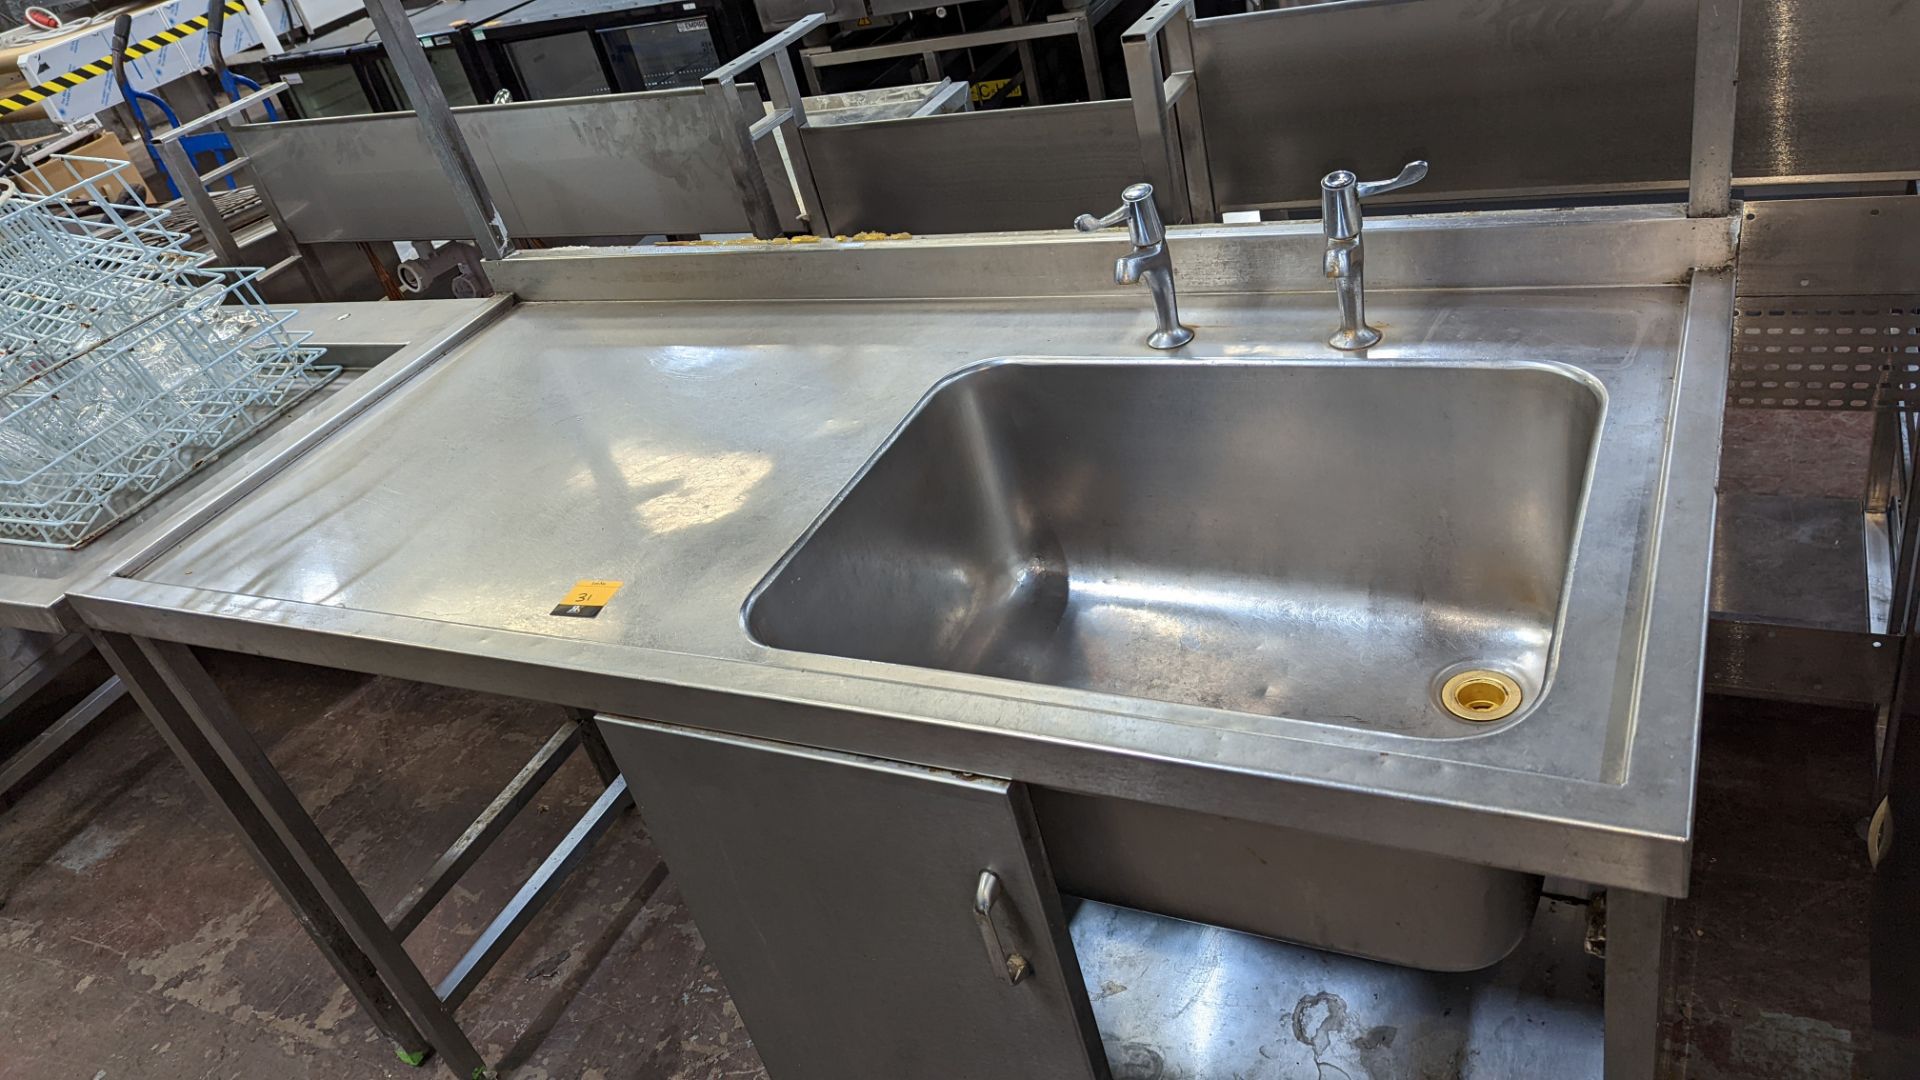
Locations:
{"points": [[873, 920]]}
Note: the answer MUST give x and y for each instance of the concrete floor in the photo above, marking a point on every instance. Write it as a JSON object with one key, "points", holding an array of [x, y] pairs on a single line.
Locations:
{"points": [[1767, 958], [137, 941]]}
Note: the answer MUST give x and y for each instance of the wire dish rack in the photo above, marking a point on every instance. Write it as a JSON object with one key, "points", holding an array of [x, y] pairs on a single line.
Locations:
{"points": [[125, 365], [77, 266]]}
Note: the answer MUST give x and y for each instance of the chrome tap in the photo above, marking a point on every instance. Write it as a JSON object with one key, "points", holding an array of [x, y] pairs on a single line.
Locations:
{"points": [[1340, 195], [1148, 262]]}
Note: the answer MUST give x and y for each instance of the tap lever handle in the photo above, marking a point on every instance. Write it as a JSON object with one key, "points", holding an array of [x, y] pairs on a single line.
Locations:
{"points": [[1415, 172], [1137, 210], [1341, 192], [1089, 223]]}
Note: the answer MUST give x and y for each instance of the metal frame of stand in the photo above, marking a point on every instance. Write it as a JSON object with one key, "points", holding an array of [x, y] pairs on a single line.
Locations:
{"points": [[366, 948]]}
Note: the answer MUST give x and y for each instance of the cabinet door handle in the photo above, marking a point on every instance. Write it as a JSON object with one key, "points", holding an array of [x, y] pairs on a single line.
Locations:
{"points": [[1011, 965]]}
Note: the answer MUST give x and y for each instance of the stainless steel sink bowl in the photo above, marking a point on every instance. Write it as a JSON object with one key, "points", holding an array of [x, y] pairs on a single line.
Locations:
{"points": [[1318, 540], [1381, 903]]}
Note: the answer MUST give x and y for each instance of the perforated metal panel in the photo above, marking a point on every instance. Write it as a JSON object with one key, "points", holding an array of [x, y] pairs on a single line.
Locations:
{"points": [[1824, 352], [1902, 383]]}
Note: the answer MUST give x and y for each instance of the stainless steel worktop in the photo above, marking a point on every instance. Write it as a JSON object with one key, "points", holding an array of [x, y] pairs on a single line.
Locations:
{"points": [[683, 447], [377, 344]]}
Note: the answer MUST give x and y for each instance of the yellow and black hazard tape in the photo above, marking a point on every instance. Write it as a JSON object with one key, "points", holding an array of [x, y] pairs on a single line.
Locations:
{"points": [[60, 84]]}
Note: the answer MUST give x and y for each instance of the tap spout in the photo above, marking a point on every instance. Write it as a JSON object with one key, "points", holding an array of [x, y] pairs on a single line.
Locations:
{"points": [[1340, 195], [1149, 263]]}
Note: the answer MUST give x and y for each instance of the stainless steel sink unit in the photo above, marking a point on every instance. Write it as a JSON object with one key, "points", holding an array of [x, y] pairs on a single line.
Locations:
{"points": [[1321, 541], [1352, 654], [930, 572]]}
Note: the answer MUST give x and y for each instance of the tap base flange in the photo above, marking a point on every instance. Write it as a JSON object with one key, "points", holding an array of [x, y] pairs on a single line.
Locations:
{"points": [[1366, 337], [1170, 339]]}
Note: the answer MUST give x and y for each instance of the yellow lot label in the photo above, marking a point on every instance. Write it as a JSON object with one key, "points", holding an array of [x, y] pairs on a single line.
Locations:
{"points": [[590, 593]]}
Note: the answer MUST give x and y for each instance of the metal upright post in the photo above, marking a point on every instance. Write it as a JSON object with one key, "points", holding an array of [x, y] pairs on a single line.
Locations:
{"points": [[594, 745], [1183, 99], [1146, 79], [193, 192], [1716, 79], [811, 70], [438, 126], [1089, 54], [739, 132], [1029, 71], [1894, 841], [1636, 941], [1166, 110]]}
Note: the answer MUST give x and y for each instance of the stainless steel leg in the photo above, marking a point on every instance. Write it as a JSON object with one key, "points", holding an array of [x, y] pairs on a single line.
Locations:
{"points": [[42, 657], [1895, 957], [1029, 71], [499, 935], [62, 731], [308, 256], [474, 841], [196, 721], [756, 198], [1089, 57], [1880, 493], [1902, 494], [811, 71], [1636, 938], [595, 746], [193, 191]]}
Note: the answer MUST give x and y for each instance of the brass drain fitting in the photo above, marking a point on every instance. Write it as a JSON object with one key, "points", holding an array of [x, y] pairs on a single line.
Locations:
{"points": [[1480, 696]]}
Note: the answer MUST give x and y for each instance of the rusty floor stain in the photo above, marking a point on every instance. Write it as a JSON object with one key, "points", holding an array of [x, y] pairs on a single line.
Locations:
{"points": [[137, 940]]}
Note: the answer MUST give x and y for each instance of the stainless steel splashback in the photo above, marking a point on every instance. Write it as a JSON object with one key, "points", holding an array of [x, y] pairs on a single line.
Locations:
{"points": [[1512, 97], [618, 164], [1505, 97], [1029, 168]]}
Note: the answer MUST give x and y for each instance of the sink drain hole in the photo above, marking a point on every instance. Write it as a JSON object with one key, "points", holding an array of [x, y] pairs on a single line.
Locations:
{"points": [[1480, 696]]}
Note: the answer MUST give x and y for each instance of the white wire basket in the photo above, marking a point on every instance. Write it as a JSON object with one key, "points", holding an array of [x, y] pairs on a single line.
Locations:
{"points": [[82, 196], [124, 364], [77, 266], [101, 434]]}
